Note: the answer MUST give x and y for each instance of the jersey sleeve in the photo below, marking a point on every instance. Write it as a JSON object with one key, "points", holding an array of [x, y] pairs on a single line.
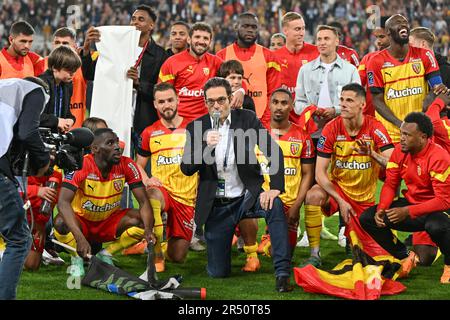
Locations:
{"points": [[308, 152], [430, 64], [382, 139], [144, 143], [132, 174], [374, 76], [440, 179], [362, 68], [355, 58], [217, 63], [38, 63], [273, 74], [167, 72], [326, 141]]}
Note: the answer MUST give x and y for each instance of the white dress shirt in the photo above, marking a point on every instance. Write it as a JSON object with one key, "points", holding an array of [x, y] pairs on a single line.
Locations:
{"points": [[233, 183]]}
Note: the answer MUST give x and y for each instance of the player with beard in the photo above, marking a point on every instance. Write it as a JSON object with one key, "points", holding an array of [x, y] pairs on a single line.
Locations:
{"points": [[168, 189], [189, 70], [89, 203], [398, 76], [381, 43], [17, 61], [261, 67]]}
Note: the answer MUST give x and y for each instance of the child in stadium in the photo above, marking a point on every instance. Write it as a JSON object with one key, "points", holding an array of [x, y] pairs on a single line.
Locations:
{"points": [[63, 62]]}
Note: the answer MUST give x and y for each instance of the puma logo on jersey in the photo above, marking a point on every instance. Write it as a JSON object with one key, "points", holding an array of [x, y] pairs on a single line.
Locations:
{"points": [[247, 78]]}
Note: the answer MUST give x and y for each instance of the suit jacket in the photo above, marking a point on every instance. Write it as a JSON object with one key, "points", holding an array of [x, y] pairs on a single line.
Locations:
{"points": [[249, 171], [152, 60]]}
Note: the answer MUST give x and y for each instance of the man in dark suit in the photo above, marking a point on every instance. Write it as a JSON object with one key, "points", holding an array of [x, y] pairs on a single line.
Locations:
{"points": [[231, 180]]}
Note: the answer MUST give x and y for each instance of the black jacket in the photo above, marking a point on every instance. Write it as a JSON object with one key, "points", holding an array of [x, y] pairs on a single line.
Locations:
{"points": [[48, 117], [444, 69], [145, 113], [249, 172]]}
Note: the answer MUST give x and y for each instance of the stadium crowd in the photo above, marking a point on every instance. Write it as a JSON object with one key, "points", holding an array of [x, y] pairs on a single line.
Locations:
{"points": [[334, 108], [47, 16]]}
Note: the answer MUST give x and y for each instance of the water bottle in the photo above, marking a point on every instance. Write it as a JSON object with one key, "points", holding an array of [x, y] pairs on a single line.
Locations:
{"points": [[47, 206]]}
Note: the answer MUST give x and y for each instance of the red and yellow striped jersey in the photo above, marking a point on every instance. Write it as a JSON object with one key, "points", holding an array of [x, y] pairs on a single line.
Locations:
{"points": [[96, 197], [354, 173], [404, 83], [188, 75], [297, 148], [165, 149]]}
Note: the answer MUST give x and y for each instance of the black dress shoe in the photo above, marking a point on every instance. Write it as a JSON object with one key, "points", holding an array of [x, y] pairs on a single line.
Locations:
{"points": [[282, 284]]}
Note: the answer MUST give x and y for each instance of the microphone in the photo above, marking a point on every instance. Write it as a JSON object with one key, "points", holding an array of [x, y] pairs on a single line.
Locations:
{"points": [[216, 118], [79, 137]]}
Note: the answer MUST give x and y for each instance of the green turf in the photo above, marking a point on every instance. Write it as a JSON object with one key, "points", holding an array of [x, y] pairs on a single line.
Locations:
{"points": [[50, 282]]}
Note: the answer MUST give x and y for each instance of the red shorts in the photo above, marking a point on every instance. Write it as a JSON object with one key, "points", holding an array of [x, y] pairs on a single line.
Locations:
{"points": [[180, 217], [102, 231], [422, 238], [370, 246]]}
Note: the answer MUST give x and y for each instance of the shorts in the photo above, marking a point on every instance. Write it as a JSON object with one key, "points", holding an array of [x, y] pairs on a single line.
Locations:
{"points": [[102, 231], [180, 217], [422, 238], [333, 207], [367, 243]]}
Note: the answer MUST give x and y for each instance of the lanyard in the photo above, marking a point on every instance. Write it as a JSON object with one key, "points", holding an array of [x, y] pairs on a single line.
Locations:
{"points": [[138, 62], [58, 109]]}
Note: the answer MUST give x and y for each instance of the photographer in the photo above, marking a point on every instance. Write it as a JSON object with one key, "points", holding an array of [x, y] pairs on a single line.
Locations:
{"points": [[21, 103]]}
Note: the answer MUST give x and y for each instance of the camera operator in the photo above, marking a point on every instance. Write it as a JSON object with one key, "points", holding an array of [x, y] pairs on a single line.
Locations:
{"points": [[21, 103]]}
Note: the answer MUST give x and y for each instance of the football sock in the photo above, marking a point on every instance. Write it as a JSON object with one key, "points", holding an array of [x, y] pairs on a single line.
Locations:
{"points": [[127, 238], [313, 223], [158, 227], [68, 239], [251, 250]]}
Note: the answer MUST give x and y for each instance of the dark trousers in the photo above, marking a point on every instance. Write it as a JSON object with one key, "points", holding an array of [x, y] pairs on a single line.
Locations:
{"points": [[17, 235], [436, 224], [219, 230]]}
